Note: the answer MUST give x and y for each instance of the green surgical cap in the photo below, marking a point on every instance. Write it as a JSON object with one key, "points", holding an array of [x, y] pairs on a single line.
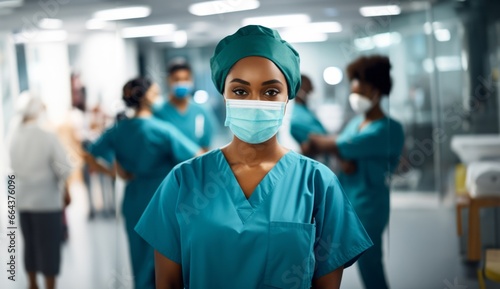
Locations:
{"points": [[255, 40]]}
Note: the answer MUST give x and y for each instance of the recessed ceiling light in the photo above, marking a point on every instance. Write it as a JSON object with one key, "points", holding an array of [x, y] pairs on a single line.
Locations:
{"points": [[123, 13], [222, 6], [95, 24], [332, 75], [178, 38], [278, 20], [298, 37], [50, 23], [147, 31], [322, 27], [11, 3], [386, 10], [41, 36], [442, 35]]}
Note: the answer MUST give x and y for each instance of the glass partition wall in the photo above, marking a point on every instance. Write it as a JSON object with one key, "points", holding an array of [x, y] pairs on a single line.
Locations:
{"points": [[436, 82]]}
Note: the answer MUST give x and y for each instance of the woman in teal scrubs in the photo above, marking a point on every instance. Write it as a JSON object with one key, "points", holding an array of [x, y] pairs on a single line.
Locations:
{"points": [[146, 149], [369, 148], [304, 122], [252, 214]]}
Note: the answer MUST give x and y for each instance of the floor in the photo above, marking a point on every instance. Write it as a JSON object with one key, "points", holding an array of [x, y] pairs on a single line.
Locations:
{"points": [[422, 250]]}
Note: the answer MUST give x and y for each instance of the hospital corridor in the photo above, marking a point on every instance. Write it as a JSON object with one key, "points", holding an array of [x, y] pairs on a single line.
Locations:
{"points": [[247, 144]]}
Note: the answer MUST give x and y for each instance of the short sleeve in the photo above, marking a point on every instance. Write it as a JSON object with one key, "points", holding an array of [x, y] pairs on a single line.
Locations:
{"points": [[304, 123], [181, 146], [382, 141], [158, 225], [103, 146], [340, 236]]}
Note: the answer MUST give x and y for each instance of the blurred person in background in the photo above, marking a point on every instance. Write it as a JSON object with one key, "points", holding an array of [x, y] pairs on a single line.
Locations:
{"points": [[41, 166], [145, 149], [100, 185], [304, 122], [369, 148], [192, 119]]}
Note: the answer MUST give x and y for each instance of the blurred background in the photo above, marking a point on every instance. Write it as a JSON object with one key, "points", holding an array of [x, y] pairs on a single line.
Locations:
{"points": [[445, 57]]}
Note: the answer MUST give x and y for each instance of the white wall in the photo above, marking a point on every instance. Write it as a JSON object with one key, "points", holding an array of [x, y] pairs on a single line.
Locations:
{"points": [[9, 89], [49, 77], [105, 62]]}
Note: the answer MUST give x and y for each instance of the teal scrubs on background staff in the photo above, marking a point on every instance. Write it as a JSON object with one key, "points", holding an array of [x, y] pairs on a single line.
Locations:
{"points": [[296, 225], [304, 123], [197, 122], [148, 149], [375, 149]]}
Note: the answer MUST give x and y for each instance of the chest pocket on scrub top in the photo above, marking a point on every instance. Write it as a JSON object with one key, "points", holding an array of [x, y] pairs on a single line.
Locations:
{"points": [[290, 257]]}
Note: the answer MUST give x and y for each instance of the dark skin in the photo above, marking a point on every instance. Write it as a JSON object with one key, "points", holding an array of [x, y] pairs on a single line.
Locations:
{"points": [[179, 75], [181, 104], [320, 143], [251, 78], [305, 89]]}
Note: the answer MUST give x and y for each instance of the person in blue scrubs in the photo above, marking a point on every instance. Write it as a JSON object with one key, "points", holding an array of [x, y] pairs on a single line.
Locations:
{"points": [[252, 214], [369, 148], [145, 150], [195, 121], [304, 122]]}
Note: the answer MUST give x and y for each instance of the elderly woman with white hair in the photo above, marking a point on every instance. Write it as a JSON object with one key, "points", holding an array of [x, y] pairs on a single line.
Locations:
{"points": [[40, 165]]}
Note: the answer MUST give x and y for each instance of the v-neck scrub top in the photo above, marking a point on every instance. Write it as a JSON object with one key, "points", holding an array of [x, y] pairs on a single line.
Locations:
{"points": [[296, 225]]}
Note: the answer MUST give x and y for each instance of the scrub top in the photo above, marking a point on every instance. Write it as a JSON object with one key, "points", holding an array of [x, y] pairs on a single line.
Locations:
{"points": [[147, 148], [296, 225], [303, 123], [375, 149], [197, 123], [144, 147]]}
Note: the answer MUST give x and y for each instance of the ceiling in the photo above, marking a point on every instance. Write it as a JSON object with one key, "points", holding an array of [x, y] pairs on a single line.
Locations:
{"points": [[200, 29]]}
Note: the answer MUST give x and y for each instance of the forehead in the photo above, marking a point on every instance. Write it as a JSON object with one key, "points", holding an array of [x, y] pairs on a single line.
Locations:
{"points": [[359, 85], [180, 73], [256, 68]]}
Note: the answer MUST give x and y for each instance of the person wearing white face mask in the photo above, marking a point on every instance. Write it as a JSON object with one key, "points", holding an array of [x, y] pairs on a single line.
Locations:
{"points": [[369, 149], [195, 121]]}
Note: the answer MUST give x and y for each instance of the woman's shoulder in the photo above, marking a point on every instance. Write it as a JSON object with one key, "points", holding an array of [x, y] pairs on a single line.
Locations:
{"points": [[199, 163], [315, 169], [393, 125]]}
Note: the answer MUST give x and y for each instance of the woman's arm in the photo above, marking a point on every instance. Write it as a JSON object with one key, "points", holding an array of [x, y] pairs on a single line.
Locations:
{"points": [[324, 143], [168, 273], [330, 280], [122, 173], [95, 165], [67, 196]]}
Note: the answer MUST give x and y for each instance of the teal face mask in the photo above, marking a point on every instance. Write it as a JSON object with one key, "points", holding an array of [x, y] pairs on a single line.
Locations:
{"points": [[182, 89], [254, 121]]}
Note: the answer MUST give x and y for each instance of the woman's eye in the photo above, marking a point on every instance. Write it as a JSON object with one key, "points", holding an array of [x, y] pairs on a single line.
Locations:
{"points": [[272, 92], [239, 92]]}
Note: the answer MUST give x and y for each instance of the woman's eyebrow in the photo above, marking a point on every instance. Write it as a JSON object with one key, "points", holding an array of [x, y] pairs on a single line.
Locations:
{"points": [[240, 81], [272, 81]]}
